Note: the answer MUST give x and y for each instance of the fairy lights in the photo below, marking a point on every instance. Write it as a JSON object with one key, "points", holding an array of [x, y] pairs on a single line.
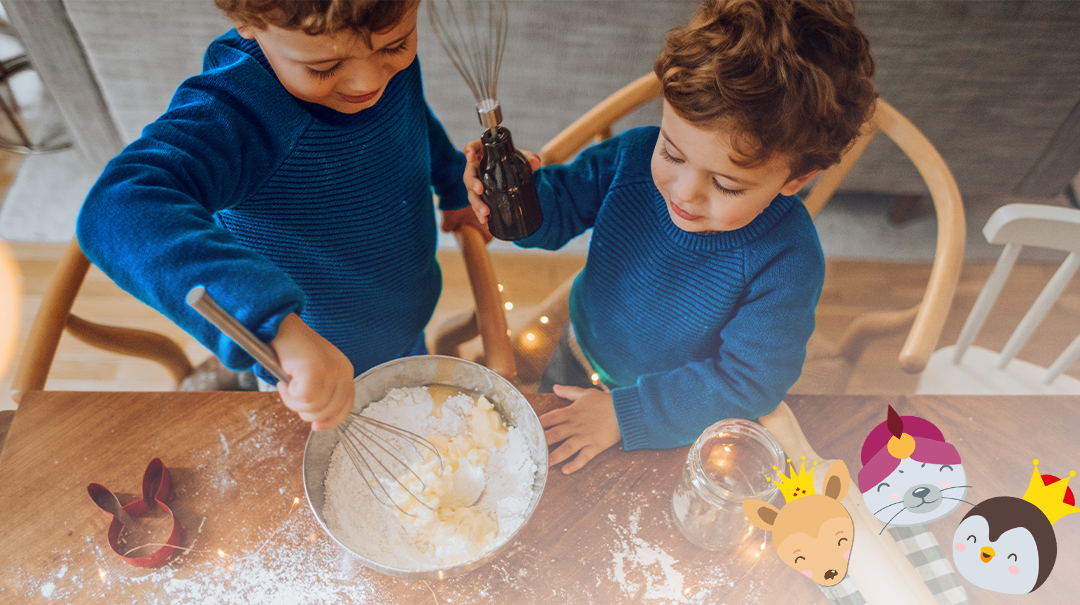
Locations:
{"points": [[530, 336], [544, 319], [104, 575], [509, 305]]}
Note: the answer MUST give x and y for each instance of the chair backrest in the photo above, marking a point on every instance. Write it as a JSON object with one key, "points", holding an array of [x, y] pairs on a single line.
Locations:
{"points": [[10, 301], [55, 316], [927, 319], [1016, 226]]}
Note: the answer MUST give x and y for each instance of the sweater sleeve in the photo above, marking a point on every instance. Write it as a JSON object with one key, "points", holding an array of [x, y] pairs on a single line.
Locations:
{"points": [[447, 167], [571, 194], [761, 356], [148, 221]]}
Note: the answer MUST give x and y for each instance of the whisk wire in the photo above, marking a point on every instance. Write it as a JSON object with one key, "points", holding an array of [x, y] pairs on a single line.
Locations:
{"points": [[474, 49], [448, 41], [352, 433], [392, 448], [356, 437]]}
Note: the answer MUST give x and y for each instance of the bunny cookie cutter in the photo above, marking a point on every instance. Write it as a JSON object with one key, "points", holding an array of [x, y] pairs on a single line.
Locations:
{"points": [[155, 489]]}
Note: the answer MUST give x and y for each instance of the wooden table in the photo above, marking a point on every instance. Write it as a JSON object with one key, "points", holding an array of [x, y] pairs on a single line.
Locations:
{"points": [[602, 535]]}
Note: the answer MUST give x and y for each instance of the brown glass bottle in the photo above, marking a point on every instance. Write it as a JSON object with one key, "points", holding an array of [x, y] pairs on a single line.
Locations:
{"points": [[509, 191]]}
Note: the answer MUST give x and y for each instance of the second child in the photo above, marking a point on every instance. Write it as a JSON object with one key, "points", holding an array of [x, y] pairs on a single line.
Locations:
{"points": [[704, 268]]}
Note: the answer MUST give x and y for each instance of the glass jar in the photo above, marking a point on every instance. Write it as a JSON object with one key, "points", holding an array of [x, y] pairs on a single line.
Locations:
{"points": [[728, 463]]}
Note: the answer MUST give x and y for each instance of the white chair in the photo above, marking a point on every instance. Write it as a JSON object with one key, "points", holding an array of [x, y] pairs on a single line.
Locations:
{"points": [[967, 369]]}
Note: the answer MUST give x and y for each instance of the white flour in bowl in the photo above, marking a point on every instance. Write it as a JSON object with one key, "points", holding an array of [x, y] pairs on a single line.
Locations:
{"points": [[375, 531]]}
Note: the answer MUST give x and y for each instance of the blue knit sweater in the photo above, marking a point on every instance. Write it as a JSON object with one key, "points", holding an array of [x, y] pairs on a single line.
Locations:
{"points": [[687, 329], [277, 205]]}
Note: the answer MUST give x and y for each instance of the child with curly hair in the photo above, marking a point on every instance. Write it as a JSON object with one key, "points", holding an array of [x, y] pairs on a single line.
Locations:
{"points": [[704, 268], [293, 179]]}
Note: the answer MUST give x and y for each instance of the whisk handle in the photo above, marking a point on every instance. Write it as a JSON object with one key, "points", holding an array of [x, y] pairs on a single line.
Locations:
{"points": [[200, 300]]}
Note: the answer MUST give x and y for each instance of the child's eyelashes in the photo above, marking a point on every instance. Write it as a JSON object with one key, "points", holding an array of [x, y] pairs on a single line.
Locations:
{"points": [[396, 50], [726, 191], [674, 160], [667, 156], [325, 73]]}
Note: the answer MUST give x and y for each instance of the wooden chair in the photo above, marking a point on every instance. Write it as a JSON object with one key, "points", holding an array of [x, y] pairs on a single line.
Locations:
{"points": [[964, 368], [829, 365], [55, 317]]}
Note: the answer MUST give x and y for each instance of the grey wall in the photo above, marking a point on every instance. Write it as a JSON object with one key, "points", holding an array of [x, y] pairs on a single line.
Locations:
{"points": [[990, 83], [994, 85], [562, 57]]}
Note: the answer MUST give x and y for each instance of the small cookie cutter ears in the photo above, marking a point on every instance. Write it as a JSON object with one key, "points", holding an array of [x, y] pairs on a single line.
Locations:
{"points": [[155, 489]]}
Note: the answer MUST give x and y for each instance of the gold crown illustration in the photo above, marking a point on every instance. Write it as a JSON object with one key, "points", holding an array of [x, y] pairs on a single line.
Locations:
{"points": [[1050, 498], [797, 485]]}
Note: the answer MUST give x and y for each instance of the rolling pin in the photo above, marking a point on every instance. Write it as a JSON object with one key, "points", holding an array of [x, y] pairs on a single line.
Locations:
{"points": [[877, 566]]}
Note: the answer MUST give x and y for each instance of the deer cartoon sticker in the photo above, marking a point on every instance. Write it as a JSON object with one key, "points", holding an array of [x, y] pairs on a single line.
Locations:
{"points": [[812, 533]]}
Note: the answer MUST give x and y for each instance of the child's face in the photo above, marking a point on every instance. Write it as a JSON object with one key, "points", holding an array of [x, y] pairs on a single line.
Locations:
{"points": [[704, 189], [338, 71]]}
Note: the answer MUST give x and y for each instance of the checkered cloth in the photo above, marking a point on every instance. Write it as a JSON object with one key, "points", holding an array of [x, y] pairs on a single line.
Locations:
{"points": [[924, 553]]}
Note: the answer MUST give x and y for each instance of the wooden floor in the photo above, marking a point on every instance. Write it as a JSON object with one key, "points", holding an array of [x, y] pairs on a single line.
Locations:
{"points": [[851, 287]]}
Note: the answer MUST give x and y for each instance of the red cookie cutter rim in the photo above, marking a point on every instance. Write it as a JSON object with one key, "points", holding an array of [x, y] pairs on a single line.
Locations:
{"points": [[155, 489]]}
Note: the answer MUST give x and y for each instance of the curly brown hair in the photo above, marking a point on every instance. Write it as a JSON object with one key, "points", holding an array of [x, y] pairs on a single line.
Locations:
{"points": [[785, 77], [317, 17]]}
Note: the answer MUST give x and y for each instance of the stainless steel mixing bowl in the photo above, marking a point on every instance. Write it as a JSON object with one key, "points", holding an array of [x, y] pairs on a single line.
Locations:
{"points": [[426, 370]]}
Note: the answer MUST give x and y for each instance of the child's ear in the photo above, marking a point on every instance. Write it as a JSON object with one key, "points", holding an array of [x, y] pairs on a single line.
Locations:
{"points": [[837, 481], [761, 514], [794, 185]]}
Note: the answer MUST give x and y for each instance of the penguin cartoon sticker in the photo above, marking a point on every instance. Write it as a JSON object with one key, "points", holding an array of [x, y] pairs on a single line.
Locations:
{"points": [[910, 474], [1007, 544], [812, 533]]}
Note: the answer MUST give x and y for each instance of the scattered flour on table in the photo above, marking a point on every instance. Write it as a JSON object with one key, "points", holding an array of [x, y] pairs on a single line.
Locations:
{"points": [[363, 524], [648, 573], [665, 583]]}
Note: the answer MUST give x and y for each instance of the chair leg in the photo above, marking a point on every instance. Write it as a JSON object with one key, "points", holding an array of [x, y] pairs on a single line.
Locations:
{"points": [[455, 331]]}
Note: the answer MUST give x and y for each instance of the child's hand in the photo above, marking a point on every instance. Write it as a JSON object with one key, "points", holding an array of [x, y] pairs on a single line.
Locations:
{"points": [[454, 219], [474, 151], [320, 387], [587, 426]]}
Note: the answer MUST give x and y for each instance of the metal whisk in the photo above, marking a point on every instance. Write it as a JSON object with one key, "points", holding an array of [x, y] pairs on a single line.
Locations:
{"points": [[473, 34], [374, 447]]}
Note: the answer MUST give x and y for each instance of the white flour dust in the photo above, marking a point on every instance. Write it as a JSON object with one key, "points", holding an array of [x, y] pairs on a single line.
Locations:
{"points": [[662, 581], [646, 572], [363, 524]]}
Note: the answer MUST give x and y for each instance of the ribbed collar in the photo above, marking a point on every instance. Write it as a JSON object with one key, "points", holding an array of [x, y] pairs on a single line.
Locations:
{"points": [[724, 240], [321, 112]]}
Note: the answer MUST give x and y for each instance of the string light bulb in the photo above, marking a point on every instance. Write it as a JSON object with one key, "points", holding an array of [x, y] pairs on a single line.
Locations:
{"points": [[544, 319], [509, 305]]}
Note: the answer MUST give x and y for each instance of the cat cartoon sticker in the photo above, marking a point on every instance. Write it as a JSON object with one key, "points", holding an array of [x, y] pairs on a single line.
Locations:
{"points": [[910, 474]]}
